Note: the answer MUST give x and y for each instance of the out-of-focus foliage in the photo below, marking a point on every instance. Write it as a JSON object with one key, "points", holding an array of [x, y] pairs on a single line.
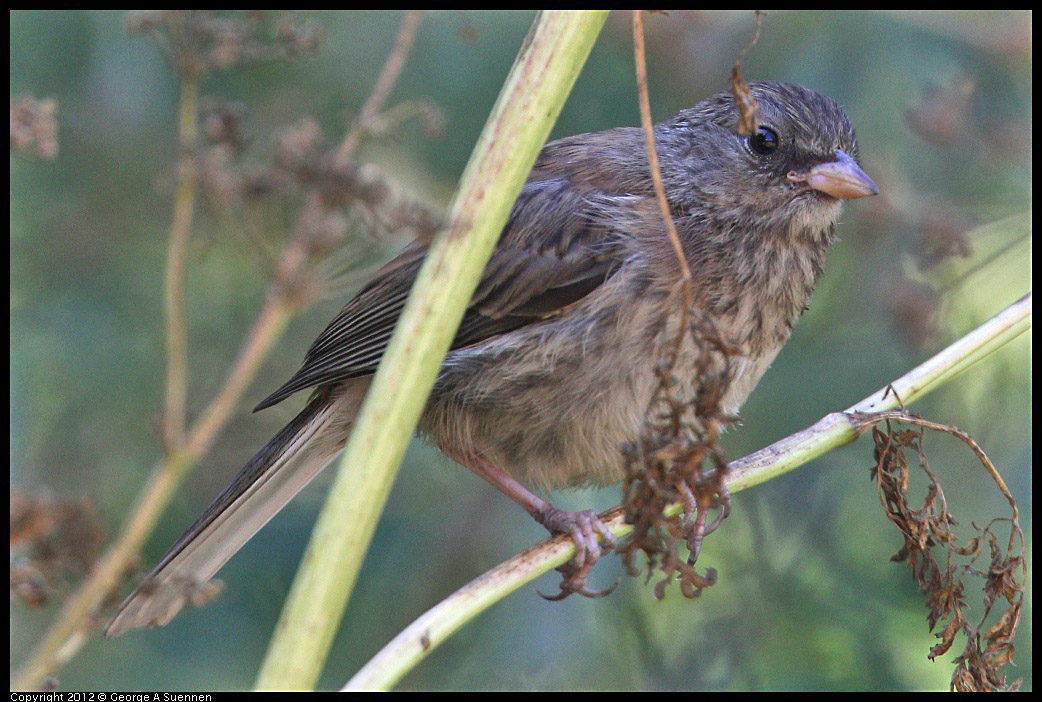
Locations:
{"points": [[806, 599]]}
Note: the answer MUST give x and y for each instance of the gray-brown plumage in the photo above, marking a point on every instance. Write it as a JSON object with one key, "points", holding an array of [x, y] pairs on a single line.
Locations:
{"points": [[551, 370]]}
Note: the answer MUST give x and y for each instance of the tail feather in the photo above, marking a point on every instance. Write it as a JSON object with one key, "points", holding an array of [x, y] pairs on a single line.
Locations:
{"points": [[263, 487]]}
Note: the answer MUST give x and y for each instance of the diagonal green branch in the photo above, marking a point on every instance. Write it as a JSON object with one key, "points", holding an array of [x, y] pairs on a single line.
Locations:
{"points": [[425, 634], [540, 80]]}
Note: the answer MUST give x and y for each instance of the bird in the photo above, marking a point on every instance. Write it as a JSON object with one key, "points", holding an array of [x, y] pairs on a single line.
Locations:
{"points": [[552, 367]]}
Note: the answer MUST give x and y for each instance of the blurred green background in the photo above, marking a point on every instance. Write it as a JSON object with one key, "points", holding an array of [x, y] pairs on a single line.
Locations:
{"points": [[806, 599]]}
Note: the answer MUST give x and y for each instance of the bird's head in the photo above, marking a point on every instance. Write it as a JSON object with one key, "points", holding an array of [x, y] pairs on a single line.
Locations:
{"points": [[790, 175]]}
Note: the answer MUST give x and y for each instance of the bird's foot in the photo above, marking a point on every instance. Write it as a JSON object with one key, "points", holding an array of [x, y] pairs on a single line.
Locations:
{"points": [[695, 530], [583, 527]]}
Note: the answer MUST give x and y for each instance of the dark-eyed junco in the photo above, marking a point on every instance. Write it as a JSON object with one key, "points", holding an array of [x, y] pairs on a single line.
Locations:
{"points": [[552, 368]]}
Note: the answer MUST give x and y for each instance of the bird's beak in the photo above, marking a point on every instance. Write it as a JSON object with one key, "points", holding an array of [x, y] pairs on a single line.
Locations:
{"points": [[843, 179]]}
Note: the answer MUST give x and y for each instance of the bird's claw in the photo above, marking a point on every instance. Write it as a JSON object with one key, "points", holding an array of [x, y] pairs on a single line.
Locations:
{"points": [[696, 530], [574, 581], [584, 528]]}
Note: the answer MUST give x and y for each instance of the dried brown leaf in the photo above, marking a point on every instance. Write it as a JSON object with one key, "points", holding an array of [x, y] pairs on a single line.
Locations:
{"points": [[930, 529]]}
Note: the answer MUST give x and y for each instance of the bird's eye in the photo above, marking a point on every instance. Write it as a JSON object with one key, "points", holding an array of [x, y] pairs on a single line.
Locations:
{"points": [[764, 142]]}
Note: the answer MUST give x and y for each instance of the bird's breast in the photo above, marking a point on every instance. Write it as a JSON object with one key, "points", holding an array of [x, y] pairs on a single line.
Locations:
{"points": [[553, 402]]}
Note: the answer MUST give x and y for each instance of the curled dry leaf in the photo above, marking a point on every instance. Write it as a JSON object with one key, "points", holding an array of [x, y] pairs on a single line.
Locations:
{"points": [[748, 110]]}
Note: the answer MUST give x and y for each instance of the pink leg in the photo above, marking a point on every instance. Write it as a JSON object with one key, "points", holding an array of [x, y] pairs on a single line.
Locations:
{"points": [[583, 527]]}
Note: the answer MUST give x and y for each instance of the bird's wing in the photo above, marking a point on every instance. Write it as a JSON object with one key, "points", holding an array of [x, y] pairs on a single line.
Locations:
{"points": [[556, 248]]}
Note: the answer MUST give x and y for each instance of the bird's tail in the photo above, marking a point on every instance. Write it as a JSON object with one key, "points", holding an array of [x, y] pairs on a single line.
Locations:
{"points": [[263, 487]]}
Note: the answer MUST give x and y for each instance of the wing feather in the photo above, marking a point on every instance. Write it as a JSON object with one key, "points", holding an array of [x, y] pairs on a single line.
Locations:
{"points": [[557, 247]]}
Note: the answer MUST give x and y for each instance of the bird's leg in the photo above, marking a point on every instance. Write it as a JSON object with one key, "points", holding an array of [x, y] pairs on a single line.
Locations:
{"points": [[583, 527]]}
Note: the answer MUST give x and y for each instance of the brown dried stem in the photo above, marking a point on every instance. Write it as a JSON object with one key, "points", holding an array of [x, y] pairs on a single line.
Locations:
{"points": [[667, 462], [384, 84], [640, 62], [177, 251], [649, 139]]}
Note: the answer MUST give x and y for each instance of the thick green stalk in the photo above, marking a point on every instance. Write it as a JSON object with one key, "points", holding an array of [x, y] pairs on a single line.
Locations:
{"points": [[532, 97]]}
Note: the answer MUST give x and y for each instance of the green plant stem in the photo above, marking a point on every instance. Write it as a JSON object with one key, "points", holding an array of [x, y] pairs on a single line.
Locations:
{"points": [[426, 633], [532, 97]]}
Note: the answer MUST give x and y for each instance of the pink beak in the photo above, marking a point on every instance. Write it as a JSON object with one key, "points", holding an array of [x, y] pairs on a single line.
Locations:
{"points": [[843, 179]]}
